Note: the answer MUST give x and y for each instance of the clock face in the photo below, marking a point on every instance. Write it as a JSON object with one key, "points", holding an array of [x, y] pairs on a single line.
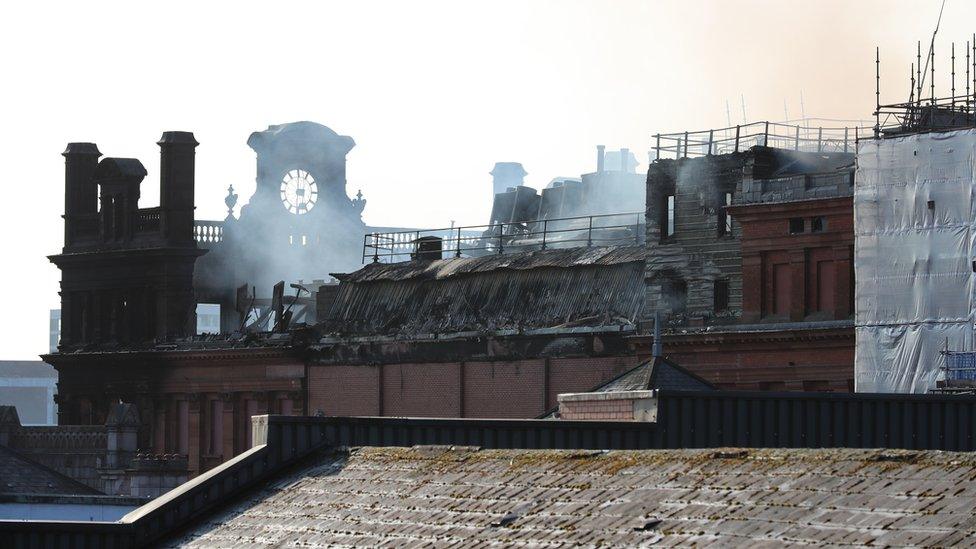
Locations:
{"points": [[299, 192]]}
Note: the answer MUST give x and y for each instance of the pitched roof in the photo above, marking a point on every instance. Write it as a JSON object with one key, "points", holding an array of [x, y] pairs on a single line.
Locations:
{"points": [[440, 496], [21, 475], [653, 373], [543, 289]]}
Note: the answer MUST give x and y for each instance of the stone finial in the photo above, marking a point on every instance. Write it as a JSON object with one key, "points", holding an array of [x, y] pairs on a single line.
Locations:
{"points": [[230, 201]]}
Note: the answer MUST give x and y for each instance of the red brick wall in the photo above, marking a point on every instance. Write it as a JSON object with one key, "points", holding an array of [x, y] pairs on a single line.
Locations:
{"points": [[421, 390], [783, 365], [344, 390], [579, 375], [504, 389], [783, 274]]}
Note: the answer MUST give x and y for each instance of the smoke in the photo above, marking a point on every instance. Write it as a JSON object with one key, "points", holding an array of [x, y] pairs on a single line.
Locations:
{"points": [[616, 191], [299, 225]]}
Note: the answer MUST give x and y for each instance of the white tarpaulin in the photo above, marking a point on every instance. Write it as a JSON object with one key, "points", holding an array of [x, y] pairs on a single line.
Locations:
{"points": [[913, 257]]}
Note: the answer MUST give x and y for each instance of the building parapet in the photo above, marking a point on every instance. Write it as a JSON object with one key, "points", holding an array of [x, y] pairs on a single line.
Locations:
{"points": [[686, 419]]}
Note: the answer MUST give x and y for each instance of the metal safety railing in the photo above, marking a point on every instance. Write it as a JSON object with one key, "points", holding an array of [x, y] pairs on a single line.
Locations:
{"points": [[507, 237], [778, 135]]}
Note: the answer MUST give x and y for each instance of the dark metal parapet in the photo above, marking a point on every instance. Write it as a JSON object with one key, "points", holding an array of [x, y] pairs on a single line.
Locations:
{"points": [[509, 237], [685, 419]]}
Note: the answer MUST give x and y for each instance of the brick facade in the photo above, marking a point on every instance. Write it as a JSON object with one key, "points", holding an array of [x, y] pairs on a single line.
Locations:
{"points": [[487, 389], [609, 406], [797, 260], [793, 358]]}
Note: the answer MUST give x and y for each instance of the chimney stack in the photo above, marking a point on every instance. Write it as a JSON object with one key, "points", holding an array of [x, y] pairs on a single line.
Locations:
{"points": [[176, 186], [80, 189], [600, 150], [624, 159]]}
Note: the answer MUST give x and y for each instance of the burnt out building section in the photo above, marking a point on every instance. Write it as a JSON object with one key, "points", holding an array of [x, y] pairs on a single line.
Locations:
{"points": [[694, 270], [496, 336], [546, 289], [693, 273], [749, 257]]}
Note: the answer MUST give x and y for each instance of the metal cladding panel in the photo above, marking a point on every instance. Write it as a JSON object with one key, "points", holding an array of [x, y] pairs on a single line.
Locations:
{"points": [[695, 419], [807, 420]]}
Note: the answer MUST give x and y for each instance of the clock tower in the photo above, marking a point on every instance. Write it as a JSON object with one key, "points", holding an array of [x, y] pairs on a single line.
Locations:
{"points": [[300, 224]]}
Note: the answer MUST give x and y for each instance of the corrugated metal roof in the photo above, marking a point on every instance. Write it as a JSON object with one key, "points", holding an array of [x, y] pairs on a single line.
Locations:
{"points": [[450, 496], [556, 288]]}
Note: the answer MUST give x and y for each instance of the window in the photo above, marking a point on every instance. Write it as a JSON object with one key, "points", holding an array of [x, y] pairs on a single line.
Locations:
{"points": [[674, 295], [818, 225], [721, 295], [724, 219], [796, 225], [669, 217]]}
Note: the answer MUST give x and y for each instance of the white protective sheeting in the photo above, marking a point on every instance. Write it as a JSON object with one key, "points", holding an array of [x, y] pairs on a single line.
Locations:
{"points": [[914, 225]]}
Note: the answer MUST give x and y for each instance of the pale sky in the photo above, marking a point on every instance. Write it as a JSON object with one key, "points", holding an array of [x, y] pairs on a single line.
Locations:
{"points": [[434, 93]]}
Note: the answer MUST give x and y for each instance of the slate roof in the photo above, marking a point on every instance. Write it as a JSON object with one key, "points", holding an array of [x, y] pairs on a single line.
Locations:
{"points": [[653, 373], [572, 287], [439, 496], [21, 475]]}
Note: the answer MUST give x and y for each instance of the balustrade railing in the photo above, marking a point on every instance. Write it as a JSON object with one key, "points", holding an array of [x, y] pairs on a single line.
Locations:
{"points": [[148, 220], [208, 233]]}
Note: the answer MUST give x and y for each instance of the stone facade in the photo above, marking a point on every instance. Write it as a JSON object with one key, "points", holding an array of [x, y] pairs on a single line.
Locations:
{"points": [[103, 457]]}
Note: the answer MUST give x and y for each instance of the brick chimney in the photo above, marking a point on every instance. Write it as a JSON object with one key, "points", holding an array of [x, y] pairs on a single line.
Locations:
{"points": [[80, 189], [176, 186]]}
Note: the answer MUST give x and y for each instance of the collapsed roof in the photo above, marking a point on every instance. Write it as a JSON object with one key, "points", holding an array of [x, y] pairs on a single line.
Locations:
{"points": [[571, 287]]}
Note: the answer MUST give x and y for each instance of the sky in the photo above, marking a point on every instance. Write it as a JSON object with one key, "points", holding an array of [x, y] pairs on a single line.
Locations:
{"points": [[434, 93]]}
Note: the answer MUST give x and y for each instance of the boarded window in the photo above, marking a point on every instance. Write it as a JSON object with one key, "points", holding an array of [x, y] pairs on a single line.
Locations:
{"points": [[782, 289], [821, 280]]}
